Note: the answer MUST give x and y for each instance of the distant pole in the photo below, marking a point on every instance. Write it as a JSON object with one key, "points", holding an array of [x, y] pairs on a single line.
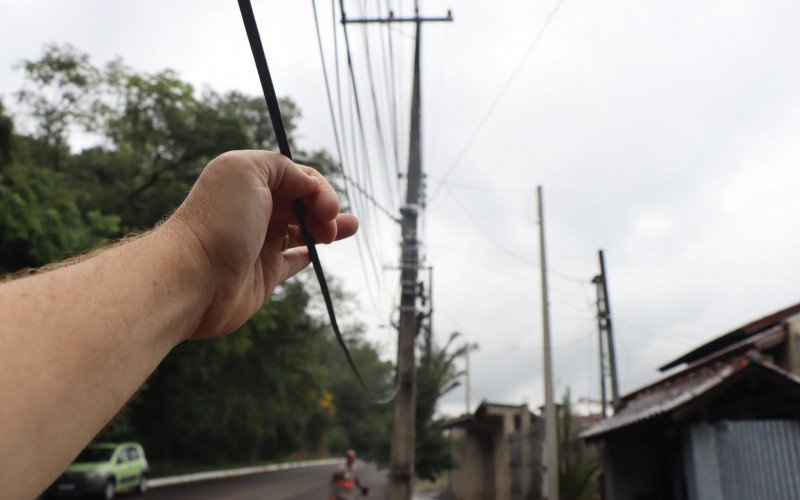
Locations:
{"points": [[466, 382], [550, 428], [597, 281], [612, 359], [467, 386]]}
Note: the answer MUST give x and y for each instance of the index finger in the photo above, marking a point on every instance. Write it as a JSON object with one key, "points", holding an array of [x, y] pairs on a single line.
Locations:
{"points": [[323, 202]]}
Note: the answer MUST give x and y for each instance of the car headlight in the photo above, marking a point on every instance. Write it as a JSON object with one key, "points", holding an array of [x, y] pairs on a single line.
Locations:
{"points": [[93, 474]]}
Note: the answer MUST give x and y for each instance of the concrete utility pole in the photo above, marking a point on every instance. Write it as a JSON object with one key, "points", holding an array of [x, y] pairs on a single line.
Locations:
{"points": [[429, 316], [467, 348], [550, 424], [605, 326], [401, 466]]}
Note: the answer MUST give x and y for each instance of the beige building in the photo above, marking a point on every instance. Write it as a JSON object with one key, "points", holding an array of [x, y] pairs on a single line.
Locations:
{"points": [[496, 453]]}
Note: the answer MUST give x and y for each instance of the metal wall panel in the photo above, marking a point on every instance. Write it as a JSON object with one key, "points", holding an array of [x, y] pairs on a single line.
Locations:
{"points": [[759, 459]]}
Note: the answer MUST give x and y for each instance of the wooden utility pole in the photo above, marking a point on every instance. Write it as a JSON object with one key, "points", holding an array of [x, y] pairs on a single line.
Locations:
{"points": [[401, 465], [550, 423]]}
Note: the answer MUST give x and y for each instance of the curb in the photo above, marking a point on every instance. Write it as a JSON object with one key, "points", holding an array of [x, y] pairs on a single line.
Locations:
{"points": [[242, 471]]}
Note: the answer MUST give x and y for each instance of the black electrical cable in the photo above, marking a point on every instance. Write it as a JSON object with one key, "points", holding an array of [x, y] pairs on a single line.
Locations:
{"points": [[498, 97], [283, 144], [348, 180], [389, 83], [363, 163], [356, 101], [376, 109]]}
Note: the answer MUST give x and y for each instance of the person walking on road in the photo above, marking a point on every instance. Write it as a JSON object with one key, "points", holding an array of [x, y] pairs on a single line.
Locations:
{"points": [[345, 480]]}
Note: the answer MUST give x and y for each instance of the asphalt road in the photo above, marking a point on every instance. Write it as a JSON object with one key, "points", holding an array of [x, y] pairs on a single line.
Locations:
{"points": [[308, 483]]}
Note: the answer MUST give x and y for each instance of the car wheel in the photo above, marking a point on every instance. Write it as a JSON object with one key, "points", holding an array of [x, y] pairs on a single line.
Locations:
{"points": [[109, 491], [142, 488]]}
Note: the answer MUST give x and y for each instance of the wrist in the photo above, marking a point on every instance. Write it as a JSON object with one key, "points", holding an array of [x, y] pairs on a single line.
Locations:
{"points": [[183, 258]]}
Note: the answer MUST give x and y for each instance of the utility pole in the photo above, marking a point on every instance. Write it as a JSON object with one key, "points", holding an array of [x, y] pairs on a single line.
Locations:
{"points": [[550, 425], [401, 461], [601, 346], [604, 325], [467, 348], [428, 299]]}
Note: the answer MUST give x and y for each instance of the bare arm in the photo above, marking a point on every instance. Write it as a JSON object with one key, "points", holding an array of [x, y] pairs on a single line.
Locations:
{"points": [[77, 342]]}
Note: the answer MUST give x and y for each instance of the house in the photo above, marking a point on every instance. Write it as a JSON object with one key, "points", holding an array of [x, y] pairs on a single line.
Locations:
{"points": [[724, 424], [495, 453]]}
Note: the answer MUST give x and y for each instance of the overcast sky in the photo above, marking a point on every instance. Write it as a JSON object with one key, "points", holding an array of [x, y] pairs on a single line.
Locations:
{"points": [[665, 133]]}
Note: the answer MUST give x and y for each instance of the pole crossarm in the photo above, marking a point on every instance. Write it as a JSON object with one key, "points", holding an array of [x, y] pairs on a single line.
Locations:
{"points": [[393, 19]]}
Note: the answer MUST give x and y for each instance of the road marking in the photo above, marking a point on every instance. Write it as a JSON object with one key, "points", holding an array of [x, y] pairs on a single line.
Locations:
{"points": [[241, 471]]}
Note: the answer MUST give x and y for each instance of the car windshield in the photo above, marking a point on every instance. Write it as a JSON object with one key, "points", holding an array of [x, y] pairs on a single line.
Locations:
{"points": [[95, 455]]}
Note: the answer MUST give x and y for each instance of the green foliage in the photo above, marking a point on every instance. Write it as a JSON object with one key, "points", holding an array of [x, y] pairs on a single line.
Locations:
{"points": [[364, 424], [278, 386], [57, 93], [251, 395], [437, 375], [577, 473], [6, 130], [41, 220]]}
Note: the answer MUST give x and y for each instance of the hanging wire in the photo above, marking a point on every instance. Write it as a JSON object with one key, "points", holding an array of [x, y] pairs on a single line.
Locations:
{"points": [[283, 144], [499, 96]]}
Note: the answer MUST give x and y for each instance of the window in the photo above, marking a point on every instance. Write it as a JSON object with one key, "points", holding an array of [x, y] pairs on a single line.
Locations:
{"points": [[133, 454]]}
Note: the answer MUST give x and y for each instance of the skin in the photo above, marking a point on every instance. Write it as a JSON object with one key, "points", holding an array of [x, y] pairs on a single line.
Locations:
{"points": [[78, 341]]}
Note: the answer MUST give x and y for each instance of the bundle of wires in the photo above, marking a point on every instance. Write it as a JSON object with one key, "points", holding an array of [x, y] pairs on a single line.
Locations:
{"points": [[283, 144]]}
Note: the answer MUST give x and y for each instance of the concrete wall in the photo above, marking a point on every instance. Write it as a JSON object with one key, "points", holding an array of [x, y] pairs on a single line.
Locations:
{"points": [[472, 475], [482, 452]]}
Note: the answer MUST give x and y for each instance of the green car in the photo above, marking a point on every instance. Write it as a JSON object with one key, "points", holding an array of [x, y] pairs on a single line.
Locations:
{"points": [[103, 470]]}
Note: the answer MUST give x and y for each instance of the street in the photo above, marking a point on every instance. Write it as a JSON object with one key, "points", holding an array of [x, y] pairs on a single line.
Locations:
{"points": [[309, 483]]}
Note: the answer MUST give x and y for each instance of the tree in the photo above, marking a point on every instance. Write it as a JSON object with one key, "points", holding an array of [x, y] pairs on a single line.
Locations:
{"points": [[358, 422], [6, 131], [41, 219], [437, 375], [577, 473], [57, 93]]}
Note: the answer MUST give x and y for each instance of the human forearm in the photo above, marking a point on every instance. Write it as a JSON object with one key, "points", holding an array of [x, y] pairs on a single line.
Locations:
{"points": [[78, 341], [95, 331]]}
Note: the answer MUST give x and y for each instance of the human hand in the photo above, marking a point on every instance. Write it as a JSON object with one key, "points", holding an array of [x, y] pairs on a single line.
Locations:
{"points": [[239, 223]]}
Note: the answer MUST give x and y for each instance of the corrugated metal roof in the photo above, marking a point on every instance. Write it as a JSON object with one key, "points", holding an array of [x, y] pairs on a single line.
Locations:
{"points": [[676, 391], [760, 341], [663, 398], [757, 341], [734, 336]]}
